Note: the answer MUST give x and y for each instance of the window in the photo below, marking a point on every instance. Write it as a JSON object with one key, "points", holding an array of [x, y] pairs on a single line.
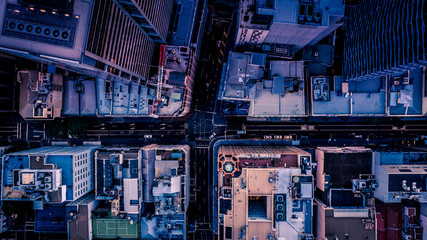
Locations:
{"points": [[228, 232]]}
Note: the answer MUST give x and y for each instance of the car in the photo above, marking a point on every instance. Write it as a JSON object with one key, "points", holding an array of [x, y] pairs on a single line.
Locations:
{"points": [[287, 137], [358, 136], [278, 137], [267, 137], [148, 136], [212, 135]]}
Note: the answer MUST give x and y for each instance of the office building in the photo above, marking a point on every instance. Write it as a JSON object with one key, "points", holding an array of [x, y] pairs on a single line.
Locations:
{"points": [[385, 50], [40, 95], [48, 174], [265, 88], [384, 37], [344, 217], [118, 189], [117, 37], [294, 23], [338, 166], [264, 192], [43, 181], [403, 221], [79, 217], [386, 96], [333, 96]]}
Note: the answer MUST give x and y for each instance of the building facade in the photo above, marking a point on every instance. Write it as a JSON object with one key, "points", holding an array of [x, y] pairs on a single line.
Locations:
{"points": [[116, 37], [294, 23], [384, 37]]}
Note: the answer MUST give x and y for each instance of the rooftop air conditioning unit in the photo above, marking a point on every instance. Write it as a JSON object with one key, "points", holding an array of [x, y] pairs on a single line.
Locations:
{"points": [[48, 179], [279, 198]]}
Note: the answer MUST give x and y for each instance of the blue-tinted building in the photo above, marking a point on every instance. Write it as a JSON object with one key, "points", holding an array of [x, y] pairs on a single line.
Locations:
{"points": [[385, 58], [384, 37], [48, 174]]}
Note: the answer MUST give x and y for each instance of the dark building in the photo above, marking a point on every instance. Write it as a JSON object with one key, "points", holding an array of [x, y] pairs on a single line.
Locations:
{"points": [[345, 204], [123, 34], [338, 166], [384, 37]]}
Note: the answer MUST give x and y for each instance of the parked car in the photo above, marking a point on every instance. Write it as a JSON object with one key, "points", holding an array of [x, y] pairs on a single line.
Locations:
{"points": [[267, 137]]}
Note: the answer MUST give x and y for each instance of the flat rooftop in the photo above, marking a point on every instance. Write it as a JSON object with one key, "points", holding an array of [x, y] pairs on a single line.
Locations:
{"points": [[287, 11], [274, 92], [114, 227], [184, 22], [72, 27], [40, 95], [365, 98], [408, 99]]}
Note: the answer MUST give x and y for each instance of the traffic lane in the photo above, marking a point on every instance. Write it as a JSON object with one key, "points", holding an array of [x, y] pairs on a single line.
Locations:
{"points": [[212, 69], [136, 126], [202, 184]]}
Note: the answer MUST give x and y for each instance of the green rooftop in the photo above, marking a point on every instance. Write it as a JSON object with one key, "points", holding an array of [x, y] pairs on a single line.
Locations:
{"points": [[113, 228]]}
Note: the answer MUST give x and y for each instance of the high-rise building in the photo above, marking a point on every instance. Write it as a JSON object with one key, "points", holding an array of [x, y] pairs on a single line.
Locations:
{"points": [[117, 37], [123, 34], [296, 23], [384, 37], [385, 51]]}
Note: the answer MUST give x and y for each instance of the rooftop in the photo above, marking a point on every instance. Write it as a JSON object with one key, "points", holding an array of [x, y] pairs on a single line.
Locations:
{"points": [[62, 34], [255, 13], [79, 97], [121, 98], [405, 93], [254, 199], [276, 91], [332, 97], [40, 95], [381, 95], [183, 23], [179, 70]]}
